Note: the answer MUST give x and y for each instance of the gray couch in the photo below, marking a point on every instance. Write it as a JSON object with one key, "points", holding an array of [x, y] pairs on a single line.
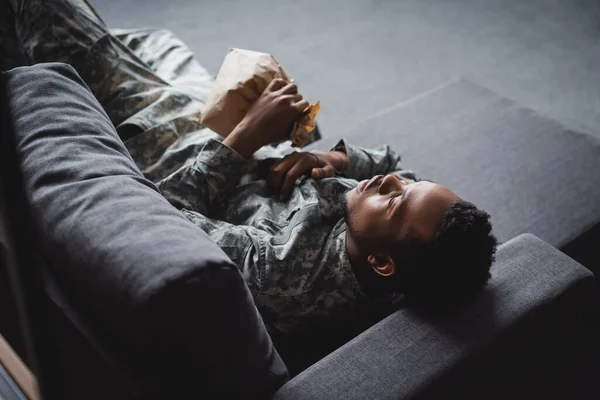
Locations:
{"points": [[152, 329]]}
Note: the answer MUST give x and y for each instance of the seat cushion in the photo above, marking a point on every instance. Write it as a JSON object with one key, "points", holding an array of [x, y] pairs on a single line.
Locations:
{"points": [[531, 173], [150, 277]]}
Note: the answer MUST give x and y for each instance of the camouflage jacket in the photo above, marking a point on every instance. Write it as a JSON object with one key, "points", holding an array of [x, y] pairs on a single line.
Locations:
{"points": [[292, 254]]}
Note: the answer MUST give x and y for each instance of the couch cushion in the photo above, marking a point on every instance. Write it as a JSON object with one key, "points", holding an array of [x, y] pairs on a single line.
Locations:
{"points": [[531, 173], [130, 259]]}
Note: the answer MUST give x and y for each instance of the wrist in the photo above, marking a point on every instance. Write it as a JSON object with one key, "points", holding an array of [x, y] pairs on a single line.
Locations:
{"points": [[343, 159], [241, 141]]}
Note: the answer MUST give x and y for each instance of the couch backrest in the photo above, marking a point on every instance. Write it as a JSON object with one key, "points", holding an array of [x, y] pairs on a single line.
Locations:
{"points": [[149, 277]]}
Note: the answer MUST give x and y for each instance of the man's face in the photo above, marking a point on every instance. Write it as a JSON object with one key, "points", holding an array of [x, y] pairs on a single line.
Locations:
{"points": [[385, 209]]}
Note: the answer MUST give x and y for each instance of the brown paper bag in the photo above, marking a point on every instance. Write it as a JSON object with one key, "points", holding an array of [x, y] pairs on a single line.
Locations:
{"points": [[242, 78]]}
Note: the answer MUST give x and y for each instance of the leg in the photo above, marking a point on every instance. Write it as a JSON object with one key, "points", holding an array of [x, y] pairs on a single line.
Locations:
{"points": [[130, 91], [156, 112], [169, 58]]}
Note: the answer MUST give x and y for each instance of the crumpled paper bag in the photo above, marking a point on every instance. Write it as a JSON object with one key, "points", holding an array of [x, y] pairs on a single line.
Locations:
{"points": [[242, 78]]}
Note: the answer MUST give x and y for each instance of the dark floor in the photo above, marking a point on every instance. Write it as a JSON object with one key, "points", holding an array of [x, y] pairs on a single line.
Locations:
{"points": [[359, 57]]}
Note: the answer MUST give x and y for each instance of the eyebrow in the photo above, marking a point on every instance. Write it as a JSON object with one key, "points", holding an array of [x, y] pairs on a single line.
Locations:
{"points": [[426, 180]]}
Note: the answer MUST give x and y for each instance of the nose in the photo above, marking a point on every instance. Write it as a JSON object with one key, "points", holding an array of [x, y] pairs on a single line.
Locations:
{"points": [[391, 183]]}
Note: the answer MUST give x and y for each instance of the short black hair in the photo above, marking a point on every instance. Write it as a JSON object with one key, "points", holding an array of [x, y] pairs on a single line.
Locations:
{"points": [[450, 270]]}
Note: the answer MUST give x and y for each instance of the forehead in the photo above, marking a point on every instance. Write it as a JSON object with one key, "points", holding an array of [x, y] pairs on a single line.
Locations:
{"points": [[424, 207]]}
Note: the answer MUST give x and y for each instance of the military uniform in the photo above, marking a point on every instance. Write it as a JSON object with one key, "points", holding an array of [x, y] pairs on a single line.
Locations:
{"points": [[292, 254]]}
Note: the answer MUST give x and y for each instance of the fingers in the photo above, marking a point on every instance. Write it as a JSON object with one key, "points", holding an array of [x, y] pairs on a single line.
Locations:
{"points": [[289, 92], [276, 84], [295, 101], [292, 175], [282, 87], [283, 174], [326, 172], [289, 88], [300, 105], [279, 169], [293, 98]]}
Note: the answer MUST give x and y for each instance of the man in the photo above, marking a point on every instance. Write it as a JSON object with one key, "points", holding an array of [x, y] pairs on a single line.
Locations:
{"points": [[317, 235]]}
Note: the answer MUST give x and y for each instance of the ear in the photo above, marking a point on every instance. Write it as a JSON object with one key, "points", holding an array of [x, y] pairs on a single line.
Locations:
{"points": [[382, 264]]}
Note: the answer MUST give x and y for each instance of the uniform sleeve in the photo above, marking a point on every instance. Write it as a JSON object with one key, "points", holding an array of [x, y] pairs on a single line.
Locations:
{"points": [[255, 252], [204, 184], [241, 243], [366, 163]]}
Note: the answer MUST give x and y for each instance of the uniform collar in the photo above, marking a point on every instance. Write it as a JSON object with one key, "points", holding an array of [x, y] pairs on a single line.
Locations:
{"points": [[344, 273]]}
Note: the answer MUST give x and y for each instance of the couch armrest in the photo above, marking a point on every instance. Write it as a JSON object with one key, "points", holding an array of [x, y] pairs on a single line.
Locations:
{"points": [[534, 293]]}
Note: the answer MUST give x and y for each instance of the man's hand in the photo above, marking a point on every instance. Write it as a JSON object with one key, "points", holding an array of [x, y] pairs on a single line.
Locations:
{"points": [[319, 164], [269, 120]]}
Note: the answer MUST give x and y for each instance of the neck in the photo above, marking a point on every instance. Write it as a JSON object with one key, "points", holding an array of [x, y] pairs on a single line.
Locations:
{"points": [[354, 253], [361, 268]]}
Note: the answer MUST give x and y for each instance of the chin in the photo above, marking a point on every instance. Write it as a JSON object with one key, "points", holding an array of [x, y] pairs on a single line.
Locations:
{"points": [[351, 207], [351, 196]]}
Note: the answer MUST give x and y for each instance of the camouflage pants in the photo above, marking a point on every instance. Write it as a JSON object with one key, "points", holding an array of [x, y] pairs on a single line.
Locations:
{"points": [[148, 81]]}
